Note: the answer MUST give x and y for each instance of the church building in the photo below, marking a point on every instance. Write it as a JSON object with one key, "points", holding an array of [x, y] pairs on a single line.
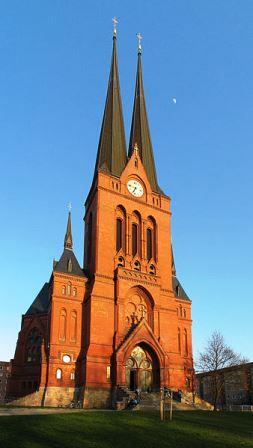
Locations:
{"points": [[122, 320]]}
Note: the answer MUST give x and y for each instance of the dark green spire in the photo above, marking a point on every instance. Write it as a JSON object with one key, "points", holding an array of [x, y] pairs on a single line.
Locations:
{"points": [[68, 242], [140, 133], [111, 155]]}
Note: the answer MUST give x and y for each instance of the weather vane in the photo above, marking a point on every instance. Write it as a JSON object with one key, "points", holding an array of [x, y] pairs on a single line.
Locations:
{"points": [[139, 37], [115, 23], [69, 206]]}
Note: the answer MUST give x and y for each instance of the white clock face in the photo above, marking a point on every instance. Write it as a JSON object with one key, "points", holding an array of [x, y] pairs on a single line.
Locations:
{"points": [[135, 188], [66, 358]]}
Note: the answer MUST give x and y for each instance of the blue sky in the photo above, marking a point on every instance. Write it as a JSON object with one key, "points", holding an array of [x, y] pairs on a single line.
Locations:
{"points": [[54, 66]]}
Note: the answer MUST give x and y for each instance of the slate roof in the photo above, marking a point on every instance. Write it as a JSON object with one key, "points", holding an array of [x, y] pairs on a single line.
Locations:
{"points": [[140, 132], [111, 154], [68, 264], [41, 302], [178, 289]]}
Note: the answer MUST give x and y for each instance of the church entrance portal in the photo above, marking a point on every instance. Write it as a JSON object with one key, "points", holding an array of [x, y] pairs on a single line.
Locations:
{"points": [[142, 370]]}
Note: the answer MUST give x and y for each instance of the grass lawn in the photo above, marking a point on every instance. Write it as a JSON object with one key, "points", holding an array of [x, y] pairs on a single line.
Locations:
{"points": [[127, 429]]}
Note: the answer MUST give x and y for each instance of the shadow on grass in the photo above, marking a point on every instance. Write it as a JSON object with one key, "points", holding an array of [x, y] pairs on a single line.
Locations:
{"points": [[127, 429]]}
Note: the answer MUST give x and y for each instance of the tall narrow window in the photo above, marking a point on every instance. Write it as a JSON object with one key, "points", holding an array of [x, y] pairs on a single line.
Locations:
{"points": [[73, 326], [149, 244], [62, 326], [134, 239], [179, 339], [185, 343], [120, 234], [58, 374], [119, 239]]}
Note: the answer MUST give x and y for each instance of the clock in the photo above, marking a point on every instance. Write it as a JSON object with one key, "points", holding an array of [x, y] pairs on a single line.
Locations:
{"points": [[66, 358], [135, 188]]}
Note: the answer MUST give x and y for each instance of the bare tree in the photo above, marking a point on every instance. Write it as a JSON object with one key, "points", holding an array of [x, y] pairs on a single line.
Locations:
{"points": [[217, 355]]}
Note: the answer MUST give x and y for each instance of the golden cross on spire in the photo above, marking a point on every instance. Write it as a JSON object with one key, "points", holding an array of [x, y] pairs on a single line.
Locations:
{"points": [[139, 37], [115, 23]]}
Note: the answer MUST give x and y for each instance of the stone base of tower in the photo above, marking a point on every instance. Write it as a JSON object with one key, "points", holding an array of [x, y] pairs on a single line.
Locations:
{"points": [[97, 398], [52, 397], [33, 399]]}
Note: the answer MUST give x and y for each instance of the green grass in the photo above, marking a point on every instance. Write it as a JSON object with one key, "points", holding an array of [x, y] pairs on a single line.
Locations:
{"points": [[127, 429]]}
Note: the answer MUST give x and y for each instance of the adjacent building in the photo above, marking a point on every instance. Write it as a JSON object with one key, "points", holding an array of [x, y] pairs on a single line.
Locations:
{"points": [[235, 385], [4, 374]]}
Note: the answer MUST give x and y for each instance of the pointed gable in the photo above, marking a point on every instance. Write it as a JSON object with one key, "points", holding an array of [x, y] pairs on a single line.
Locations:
{"points": [[111, 155], [68, 264], [140, 133]]}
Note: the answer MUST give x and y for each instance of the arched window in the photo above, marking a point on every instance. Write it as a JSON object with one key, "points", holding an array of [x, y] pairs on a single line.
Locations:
{"points": [[179, 339], [134, 239], [58, 374], [151, 239], [119, 234], [120, 228], [69, 289], [136, 234], [62, 325], [149, 244], [73, 326], [185, 343], [63, 291]]}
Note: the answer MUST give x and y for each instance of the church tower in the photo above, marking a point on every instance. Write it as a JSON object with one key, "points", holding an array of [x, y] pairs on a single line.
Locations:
{"points": [[123, 320], [139, 331]]}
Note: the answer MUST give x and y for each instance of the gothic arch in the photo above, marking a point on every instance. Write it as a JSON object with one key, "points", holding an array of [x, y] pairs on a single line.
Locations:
{"points": [[73, 326], [62, 324], [151, 239], [120, 230], [136, 233], [142, 367], [139, 305]]}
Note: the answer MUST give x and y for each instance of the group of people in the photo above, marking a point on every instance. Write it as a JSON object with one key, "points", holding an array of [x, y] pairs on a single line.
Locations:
{"points": [[177, 395], [136, 400]]}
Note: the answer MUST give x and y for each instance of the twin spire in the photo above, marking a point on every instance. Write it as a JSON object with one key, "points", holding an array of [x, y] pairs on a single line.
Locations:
{"points": [[112, 154]]}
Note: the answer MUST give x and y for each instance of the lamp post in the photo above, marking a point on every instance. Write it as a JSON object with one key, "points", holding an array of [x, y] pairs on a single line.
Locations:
{"points": [[162, 404], [171, 400]]}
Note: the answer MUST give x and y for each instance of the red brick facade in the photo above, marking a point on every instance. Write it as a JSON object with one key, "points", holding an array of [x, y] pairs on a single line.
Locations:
{"points": [[123, 321]]}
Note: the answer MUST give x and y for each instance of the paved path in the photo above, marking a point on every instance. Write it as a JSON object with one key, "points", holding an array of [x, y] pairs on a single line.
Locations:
{"points": [[36, 411]]}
